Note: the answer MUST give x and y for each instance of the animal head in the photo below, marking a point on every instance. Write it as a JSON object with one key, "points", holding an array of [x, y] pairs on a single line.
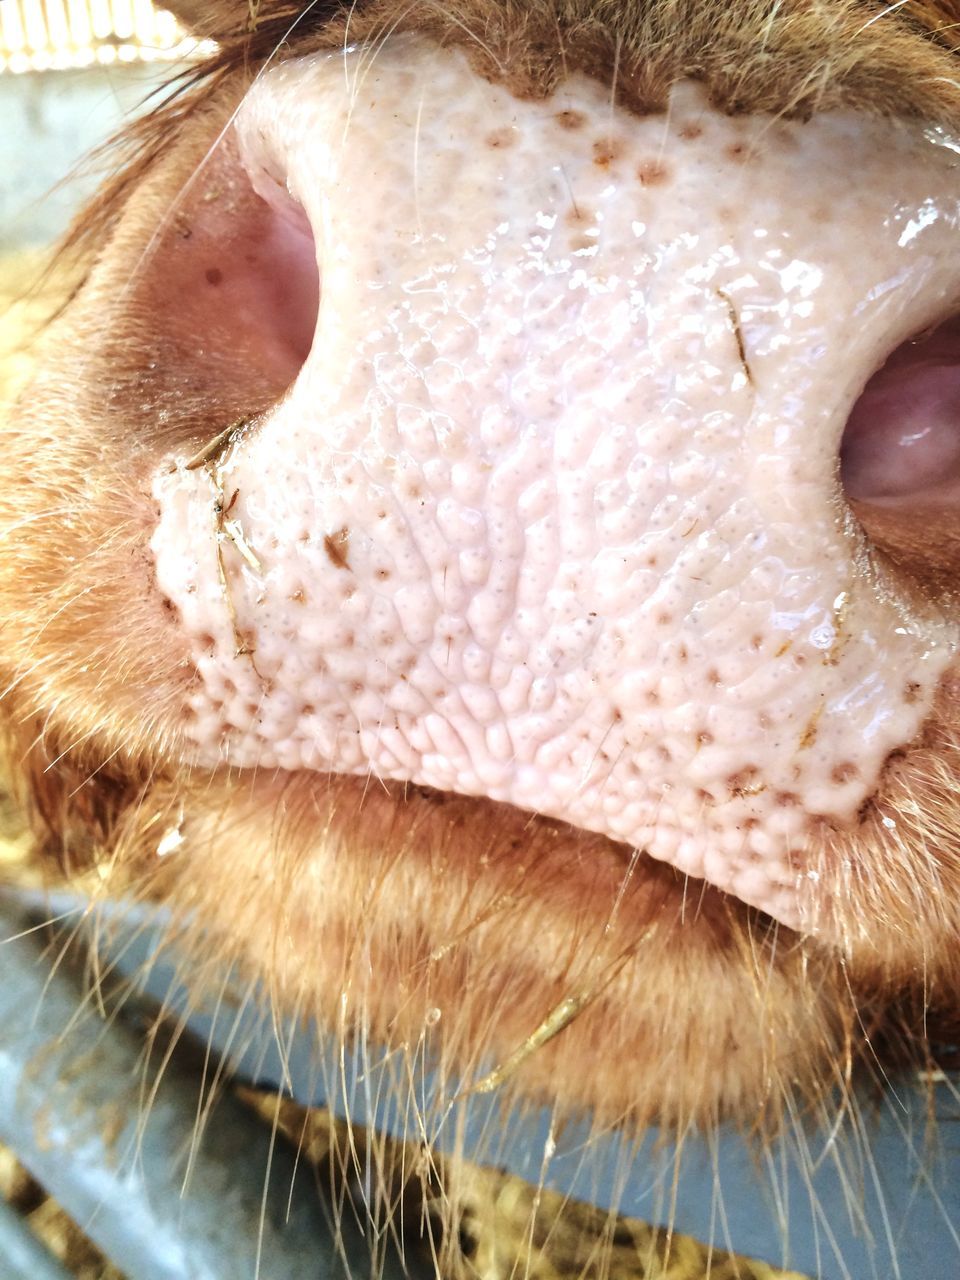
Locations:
{"points": [[481, 536]]}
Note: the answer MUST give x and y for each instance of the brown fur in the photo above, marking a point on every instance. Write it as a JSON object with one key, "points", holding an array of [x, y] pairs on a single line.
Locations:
{"points": [[367, 905]]}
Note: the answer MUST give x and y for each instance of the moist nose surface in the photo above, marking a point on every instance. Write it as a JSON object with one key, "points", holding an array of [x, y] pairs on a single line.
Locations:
{"points": [[552, 512]]}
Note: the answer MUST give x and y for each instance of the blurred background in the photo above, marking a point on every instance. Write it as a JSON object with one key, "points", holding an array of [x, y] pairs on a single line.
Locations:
{"points": [[71, 73]]}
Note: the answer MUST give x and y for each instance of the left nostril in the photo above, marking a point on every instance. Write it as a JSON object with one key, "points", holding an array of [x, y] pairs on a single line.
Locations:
{"points": [[901, 444], [220, 316], [284, 286]]}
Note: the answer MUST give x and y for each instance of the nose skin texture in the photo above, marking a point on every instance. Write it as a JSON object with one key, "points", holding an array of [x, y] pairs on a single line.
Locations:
{"points": [[552, 512]]}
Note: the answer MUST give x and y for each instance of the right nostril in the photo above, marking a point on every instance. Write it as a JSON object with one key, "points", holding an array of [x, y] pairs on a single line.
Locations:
{"points": [[901, 446], [900, 459]]}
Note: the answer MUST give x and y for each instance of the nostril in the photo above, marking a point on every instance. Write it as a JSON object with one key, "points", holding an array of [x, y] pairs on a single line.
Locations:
{"points": [[260, 283], [901, 446], [281, 259], [900, 460], [223, 308], [280, 284]]}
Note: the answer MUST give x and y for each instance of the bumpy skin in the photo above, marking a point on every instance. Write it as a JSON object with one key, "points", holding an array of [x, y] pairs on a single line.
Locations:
{"points": [[551, 513], [525, 561]]}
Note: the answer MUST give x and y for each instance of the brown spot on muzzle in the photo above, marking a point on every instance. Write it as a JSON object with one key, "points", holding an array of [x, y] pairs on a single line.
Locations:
{"points": [[652, 173], [606, 151], [337, 547]]}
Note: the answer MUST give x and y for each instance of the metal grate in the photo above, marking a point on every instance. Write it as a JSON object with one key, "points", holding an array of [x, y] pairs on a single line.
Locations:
{"points": [[48, 35]]}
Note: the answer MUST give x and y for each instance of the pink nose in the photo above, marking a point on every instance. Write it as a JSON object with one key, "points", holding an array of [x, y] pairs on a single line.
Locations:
{"points": [[551, 513]]}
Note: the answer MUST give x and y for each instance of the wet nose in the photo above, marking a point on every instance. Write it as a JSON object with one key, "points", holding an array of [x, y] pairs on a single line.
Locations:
{"points": [[553, 510]]}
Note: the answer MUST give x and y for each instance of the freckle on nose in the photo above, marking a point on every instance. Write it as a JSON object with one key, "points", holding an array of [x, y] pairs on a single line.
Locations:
{"points": [[652, 173]]}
